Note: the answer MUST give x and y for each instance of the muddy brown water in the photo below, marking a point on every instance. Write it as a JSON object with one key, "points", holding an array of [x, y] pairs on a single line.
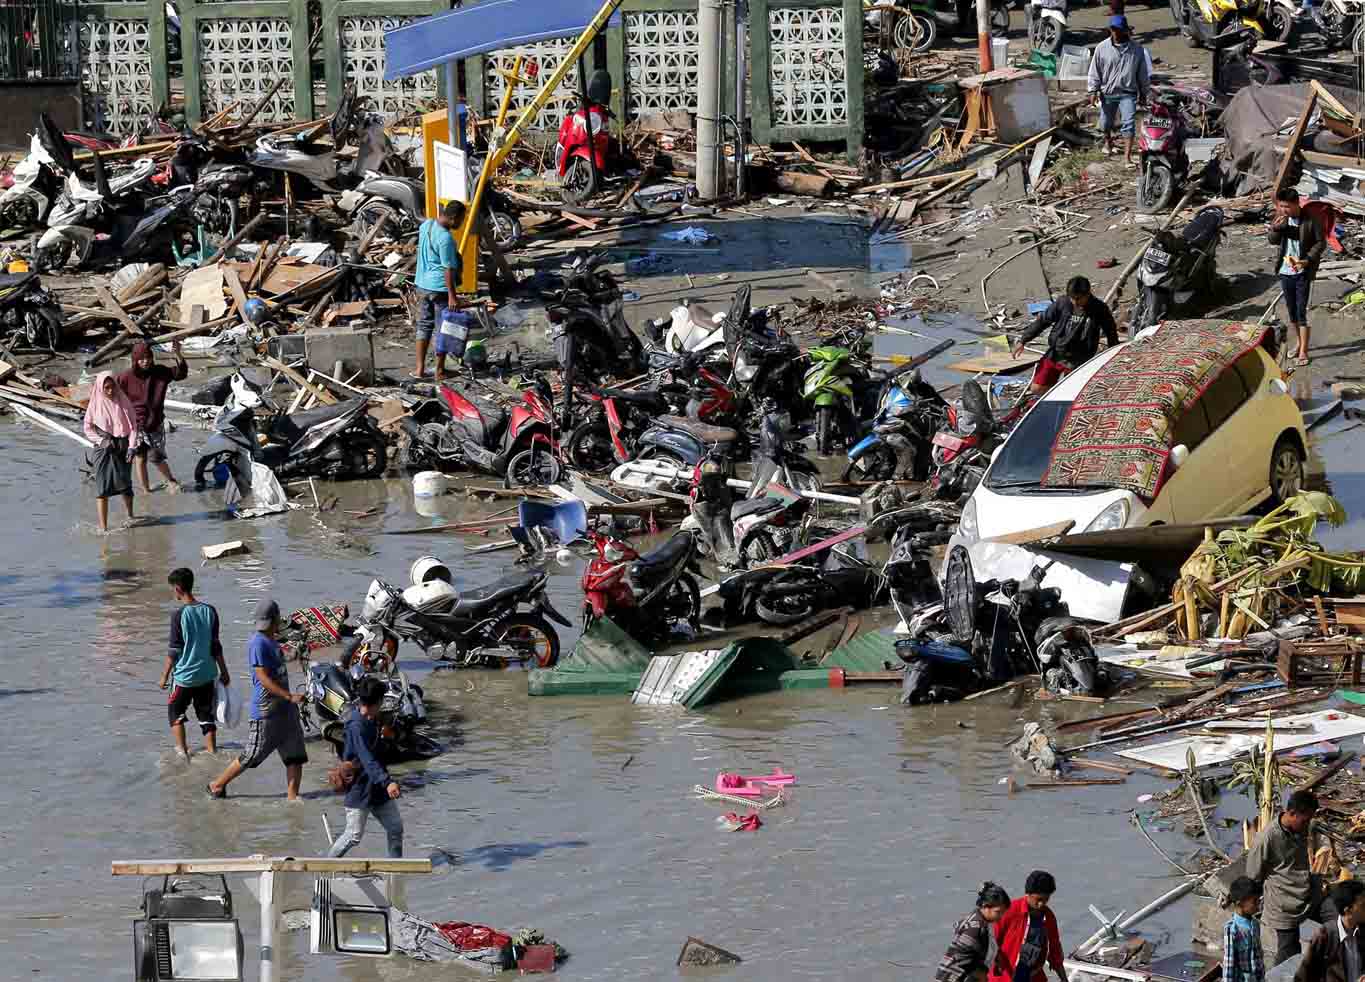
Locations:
{"points": [[571, 814]]}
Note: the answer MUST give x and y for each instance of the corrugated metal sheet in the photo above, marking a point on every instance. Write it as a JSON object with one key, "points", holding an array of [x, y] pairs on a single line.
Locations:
{"points": [[671, 679], [867, 652]]}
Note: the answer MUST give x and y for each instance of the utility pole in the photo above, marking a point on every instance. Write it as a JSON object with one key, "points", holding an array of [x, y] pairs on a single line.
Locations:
{"points": [[711, 28], [983, 34]]}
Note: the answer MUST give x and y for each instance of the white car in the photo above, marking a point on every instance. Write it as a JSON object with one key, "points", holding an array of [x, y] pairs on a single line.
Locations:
{"points": [[1239, 443]]}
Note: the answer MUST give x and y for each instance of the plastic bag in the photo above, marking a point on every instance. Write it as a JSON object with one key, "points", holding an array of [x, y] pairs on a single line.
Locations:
{"points": [[228, 709]]}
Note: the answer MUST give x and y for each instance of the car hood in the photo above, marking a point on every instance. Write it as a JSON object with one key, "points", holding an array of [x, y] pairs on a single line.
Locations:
{"points": [[1006, 514]]}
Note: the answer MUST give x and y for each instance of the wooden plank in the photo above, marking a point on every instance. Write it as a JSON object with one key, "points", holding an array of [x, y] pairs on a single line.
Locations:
{"points": [[323, 396], [234, 285], [1293, 144], [995, 363], [1035, 535], [1333, 102], [1326, 772], [112, 305]]}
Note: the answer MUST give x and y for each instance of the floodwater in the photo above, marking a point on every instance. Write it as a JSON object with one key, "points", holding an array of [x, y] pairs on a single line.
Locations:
{"points": [[574, 815]]}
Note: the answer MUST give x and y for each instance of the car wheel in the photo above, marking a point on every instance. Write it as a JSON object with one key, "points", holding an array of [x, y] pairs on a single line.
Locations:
{"points": [[1286, 471]]}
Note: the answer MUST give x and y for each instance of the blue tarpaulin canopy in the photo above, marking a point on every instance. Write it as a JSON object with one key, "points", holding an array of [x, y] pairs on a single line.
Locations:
{"points": [[482, 27]]}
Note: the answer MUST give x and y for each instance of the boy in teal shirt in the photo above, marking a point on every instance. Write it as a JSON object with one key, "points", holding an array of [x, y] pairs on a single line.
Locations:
{"points": [[194, 659], [438, 273]]}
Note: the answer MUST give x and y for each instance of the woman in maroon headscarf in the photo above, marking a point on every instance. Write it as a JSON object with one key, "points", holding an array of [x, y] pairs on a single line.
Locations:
{"points": [[146, 384]]}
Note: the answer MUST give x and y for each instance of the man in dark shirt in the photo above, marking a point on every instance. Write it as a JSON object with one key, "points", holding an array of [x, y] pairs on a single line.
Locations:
{"points": [[374, 792], [146, 383], [1076, 320]]}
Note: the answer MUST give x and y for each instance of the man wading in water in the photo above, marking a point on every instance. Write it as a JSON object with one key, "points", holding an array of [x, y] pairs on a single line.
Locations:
{"points": [[1293, 893], [146, 383], [194, 660], [275, 721]]}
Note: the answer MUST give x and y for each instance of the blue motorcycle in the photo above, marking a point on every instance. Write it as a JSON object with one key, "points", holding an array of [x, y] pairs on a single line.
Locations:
{"points": [[900, 445]]}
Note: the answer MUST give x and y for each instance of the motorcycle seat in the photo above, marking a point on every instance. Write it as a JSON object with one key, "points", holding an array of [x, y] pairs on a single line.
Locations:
{"points": [[489, 594], [704, 432], [755, 506], [645, 397], [1203, 228], [665, 556], [308, 418]]}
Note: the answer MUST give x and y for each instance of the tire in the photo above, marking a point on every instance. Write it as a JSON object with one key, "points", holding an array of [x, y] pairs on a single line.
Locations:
{"points": [[1156, 187], [758, 548], [366, 455], [1151, 309], [53, 257], [533, 467], [335, 734], [877, 463], [1279, 23], [925, 32], [43, 328], [209, 464], [1337, 27], [1358, 42], [789, 608], [1000, 21], [589, 446], [1286, 471], [368, 215], [521, 630], [506, 229], [579, 182], [1050, 35], [682, 602], [824, 430]]}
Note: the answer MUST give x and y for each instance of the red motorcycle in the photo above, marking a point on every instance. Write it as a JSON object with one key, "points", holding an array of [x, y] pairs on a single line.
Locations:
{"points": [[585, 129], [645, 595], [611, 433], [963, 451], [463, 431]]}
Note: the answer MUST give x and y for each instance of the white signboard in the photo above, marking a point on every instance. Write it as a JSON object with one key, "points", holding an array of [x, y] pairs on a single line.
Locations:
{"points": [[452, 173]]}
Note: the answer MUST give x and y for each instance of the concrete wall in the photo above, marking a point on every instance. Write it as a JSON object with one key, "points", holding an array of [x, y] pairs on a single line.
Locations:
{"points": [[21, 102]]}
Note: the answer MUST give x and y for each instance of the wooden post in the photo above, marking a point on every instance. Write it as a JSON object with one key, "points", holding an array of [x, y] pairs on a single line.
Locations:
{"points": [[1293, 146]]}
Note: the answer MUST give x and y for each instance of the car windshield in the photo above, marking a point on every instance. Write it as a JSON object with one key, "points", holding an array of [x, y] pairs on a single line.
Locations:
{"points": [[1024, 458]]}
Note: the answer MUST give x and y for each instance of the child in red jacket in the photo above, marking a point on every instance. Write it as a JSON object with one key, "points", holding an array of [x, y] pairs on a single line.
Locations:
{"points": [[1028, 935]]}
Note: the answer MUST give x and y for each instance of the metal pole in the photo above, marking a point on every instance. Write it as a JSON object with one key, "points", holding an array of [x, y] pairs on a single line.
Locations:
{"points": [[452, 117], [741, 102], [983, 34], [268, 924], [709, 26]]}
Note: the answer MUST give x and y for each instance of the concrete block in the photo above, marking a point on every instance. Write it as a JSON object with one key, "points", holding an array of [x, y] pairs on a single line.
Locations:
{"points": [[354, 349]]}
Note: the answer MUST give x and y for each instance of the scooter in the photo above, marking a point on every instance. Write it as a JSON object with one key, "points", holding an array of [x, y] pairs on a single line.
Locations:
{"points": [[612, 435], [581, 154], [29, 312], [336, 442], [963, 449], [588, 328], [1201, 21], [1164, 164], [784, 595], [330, 697], [110, 213], [828, 388], [466, 431], [1176, 267], [1047, 21], [648, 595], [901, 441], [740, 534], [1338, 22], [37, 178], [483, 627]]}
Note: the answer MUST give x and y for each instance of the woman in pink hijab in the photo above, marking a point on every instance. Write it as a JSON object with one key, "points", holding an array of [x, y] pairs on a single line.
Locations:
{"points": [[111, 424]]}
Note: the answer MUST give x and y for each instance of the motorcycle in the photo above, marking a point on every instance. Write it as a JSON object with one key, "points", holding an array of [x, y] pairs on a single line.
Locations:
{"points": [[330, 697], [1201, 21], [588, 328], [829, 389], [644, 595], [901, 441], [29, 312], [962, 451], [784, 595], [1047, 21], [612, 436], [583, 151], [110, 213], [1176, 267], [483, 627], [766, 362], [1338, 23], [1164, 164], [918, 22], [744, 533], [464, 431], [336, 442], [37, 178]]}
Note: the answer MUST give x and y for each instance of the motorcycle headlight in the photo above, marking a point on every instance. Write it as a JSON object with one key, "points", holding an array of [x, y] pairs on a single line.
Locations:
{"points": [[967, 526], [1113, 517], [743, 370]]}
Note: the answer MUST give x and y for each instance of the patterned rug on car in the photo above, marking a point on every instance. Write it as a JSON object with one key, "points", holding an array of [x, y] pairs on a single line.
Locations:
{"points": [[1117, 433]]}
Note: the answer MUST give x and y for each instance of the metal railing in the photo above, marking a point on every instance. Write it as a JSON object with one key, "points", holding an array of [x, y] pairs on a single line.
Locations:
{"points": [[35, 40]]}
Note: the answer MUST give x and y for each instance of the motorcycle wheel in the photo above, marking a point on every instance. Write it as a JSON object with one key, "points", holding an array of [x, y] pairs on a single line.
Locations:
{"points": [[1336, 27], [787, 608], [43, 328], [589, 446], [1358, 42], [1000, 20], [367, 455], [371, 214], [878, 463], [335, 734], [53, 257], [758, 549], [824, 430], [506, 229], [1049, 36], [682, 602], [1156, 188], [532, 467], [532, 635], [579, 182], [1279, 23]]}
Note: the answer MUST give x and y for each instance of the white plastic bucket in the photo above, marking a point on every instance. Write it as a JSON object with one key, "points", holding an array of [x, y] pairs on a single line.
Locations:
{"points": [[1000, 52], [429, 484]]}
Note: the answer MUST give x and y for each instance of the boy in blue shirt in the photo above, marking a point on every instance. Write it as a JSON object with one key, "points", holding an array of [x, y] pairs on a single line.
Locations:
{"points": [[194, 659], [374, 792], [275, 723], [438, 274]]}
